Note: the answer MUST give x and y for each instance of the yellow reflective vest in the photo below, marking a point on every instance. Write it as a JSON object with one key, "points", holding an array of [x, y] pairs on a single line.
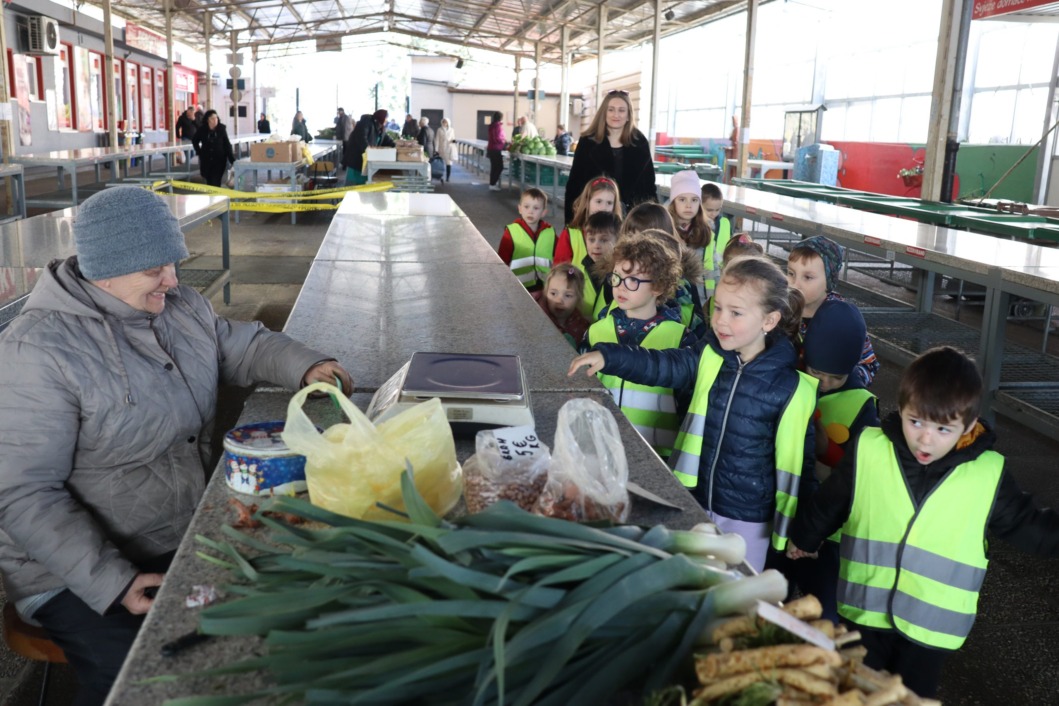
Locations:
{"points": [[652, 410], [592, 300], [914, 569], [686, 461], [838, 411], [713, 256], [531, 259]]}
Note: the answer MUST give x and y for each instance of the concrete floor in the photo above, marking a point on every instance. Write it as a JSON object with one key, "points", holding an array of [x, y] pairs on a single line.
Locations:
{"points": [[1012, 655]]}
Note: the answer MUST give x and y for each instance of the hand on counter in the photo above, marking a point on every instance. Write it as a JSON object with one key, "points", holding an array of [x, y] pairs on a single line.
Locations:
{"points": [[327, 371], [136, 600], [594, 361]]}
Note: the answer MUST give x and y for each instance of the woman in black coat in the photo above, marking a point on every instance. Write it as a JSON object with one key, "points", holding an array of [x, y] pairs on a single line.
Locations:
{"points": [[213, 148], [613, 147]]}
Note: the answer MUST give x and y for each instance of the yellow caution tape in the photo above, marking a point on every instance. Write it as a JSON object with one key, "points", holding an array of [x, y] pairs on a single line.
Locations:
{"points": [[266, 201]]}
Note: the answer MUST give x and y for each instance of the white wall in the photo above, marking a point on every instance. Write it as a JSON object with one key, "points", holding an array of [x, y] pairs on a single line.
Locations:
{"points": [[465, 107]]}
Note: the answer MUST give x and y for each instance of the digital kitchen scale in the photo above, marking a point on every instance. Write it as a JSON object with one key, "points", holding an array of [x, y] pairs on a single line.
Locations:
{"points": [[476, 391]]}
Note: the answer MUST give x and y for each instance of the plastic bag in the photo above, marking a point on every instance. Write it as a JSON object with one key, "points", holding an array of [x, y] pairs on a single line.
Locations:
{"points": [[179, 158], [352, 466], [510, 464], [588, 478]]}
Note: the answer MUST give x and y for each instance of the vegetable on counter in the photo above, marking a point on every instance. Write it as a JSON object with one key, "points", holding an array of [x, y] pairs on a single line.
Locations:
{"points": [[498, 607]]}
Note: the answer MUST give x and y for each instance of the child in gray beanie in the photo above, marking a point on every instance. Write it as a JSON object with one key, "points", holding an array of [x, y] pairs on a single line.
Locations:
{"points": [[813, 268]]}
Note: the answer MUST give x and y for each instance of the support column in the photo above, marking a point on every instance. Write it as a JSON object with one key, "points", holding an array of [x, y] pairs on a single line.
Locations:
{"points": [[108, 73], [514, 109], [564, 81], [748, 86], [207, 29], [599, 57], [944, 103], [170, 90], [652, 133], [253, 119], [1051, 114], [536, 82], [7, 127], [235, 81]]}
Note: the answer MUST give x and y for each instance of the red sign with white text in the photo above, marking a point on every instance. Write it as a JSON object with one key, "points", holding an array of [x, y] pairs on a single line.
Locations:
{"points": [[915, 252], [992, 8]]}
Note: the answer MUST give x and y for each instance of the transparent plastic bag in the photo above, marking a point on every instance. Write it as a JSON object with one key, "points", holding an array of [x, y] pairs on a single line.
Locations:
{"points": [[352, 466], [510, 464], [589, 475]]}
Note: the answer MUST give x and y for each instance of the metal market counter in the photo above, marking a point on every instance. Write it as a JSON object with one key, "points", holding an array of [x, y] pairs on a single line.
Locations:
{"points": [[28, 245], [395, 274], [1019, 382]]}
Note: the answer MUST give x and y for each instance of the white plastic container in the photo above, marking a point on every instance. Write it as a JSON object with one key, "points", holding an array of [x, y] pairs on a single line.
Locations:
{"points": [[382, 154]]}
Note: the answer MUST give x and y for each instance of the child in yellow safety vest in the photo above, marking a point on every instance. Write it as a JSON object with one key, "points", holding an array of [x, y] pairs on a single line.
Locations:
{"points": [[643, 273], [528, 245], [721, 227], [685, 206], [746, 445], [914, 500], [832, 348], [600, 235], [600, 194]]}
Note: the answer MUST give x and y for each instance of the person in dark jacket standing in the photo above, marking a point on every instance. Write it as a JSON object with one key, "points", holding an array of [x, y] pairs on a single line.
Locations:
{"points": [[343, 125], [299, 128], [370, 131], [494, 149], [410, 130], [264, 126], [613, 147], [213, 148], [185, 125], [562, 140], [426, 136]]}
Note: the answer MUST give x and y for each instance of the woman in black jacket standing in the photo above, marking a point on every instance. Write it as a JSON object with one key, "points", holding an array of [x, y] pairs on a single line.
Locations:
{"points": [[613, 147], [213, 148]]}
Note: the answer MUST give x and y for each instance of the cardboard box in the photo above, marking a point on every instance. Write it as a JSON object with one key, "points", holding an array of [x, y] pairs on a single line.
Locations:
{"points": [[283, 152], [410, 154], [382, 154]]}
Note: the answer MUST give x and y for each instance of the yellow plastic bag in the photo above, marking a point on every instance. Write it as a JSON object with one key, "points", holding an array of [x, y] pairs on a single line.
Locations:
{"points": [[352, 466]]}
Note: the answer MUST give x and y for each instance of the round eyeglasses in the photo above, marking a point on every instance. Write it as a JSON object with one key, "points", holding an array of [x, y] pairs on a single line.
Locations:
{"points": [[631, 283]]}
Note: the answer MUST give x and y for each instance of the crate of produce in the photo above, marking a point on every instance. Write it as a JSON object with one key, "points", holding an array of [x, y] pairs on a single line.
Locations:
{"points": [[410, 154]]}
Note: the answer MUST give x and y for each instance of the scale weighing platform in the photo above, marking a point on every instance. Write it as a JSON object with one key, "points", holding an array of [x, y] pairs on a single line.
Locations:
{"points": [[476, 391]]}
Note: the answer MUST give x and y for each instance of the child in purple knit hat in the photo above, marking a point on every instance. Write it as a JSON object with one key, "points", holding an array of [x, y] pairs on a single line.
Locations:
{"points": [[813, 268]]}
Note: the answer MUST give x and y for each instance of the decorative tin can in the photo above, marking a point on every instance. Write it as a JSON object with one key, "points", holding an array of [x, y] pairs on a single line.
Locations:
{"points": [[257, 462]]}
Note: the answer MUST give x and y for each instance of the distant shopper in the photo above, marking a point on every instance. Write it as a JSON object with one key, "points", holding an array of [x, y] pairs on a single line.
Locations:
{"points": [[185, 125], [425, 136], [343, 125], [494, 149], [529, 130], [410, 130], [369, 131], [517, 130], [562, 140], [445, 142], [264, 126], [199, 115], [213, 148], [298, 127]]}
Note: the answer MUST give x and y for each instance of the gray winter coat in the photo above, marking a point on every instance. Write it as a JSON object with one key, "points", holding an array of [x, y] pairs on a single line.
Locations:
{"points": [[104, 417]]}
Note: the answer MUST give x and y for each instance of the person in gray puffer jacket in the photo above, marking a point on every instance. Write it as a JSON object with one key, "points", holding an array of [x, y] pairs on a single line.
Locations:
{"points": [[110, 377]]}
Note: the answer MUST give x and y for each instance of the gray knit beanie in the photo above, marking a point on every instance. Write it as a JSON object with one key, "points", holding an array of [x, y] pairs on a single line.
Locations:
{"points": [[123, 230]]}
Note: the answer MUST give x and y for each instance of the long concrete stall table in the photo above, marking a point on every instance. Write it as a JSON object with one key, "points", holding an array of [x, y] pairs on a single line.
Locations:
{"points": [[1015, 377], [549, 173], [437, 304]]}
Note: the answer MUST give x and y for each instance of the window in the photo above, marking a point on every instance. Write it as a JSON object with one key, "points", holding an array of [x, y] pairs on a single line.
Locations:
{"points": [[160, 99], [119, 91], [64, 94], [97, 93], [132, 101], [147, 96], [34, 76]]}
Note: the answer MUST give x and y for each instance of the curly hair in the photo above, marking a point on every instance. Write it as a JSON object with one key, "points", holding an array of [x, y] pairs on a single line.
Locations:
{"points": [[656, 254]]}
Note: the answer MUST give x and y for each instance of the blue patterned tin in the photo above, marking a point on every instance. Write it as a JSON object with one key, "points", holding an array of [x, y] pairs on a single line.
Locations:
{"points": [[257, 462]]}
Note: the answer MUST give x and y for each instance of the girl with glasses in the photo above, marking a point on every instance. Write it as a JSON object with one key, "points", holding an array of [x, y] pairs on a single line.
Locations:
{"points": [[613, 147], [747, 440], [643, 271]]}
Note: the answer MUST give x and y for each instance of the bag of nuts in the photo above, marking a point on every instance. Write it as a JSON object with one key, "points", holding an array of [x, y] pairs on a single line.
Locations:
{"points": [[510, 464], [589, 475]]}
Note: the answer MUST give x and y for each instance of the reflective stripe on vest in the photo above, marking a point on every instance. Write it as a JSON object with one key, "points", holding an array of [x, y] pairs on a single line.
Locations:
{"points": [[686, 460], [592, 300], [916, 570], [713, 255], [838, 411], [531, 259], [652, 410]]}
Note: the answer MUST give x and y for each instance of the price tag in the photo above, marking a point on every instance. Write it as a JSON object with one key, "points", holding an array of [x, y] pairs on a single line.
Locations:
{"points": [[517, 443], [788, 622]]}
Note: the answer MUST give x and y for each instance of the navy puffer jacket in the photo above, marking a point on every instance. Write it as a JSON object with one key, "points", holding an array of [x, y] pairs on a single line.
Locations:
{"points": [[742, 485]]}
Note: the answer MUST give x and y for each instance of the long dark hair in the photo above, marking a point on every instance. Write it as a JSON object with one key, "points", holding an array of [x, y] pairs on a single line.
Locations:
{"points": [[206, 117]]}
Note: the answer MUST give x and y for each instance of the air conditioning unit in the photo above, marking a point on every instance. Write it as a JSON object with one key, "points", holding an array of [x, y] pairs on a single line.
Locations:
{"points": [[43, 35]]}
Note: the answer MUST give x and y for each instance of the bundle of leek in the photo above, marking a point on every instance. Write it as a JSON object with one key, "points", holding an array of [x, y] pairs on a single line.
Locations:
{"points": [[500, 607]]}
